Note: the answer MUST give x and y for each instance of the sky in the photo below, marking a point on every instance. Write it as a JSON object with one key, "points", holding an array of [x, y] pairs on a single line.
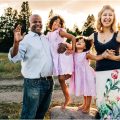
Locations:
{"points": [[73, 11]]}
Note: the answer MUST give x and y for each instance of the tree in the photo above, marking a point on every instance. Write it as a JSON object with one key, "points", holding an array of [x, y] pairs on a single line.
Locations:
{"points": [[88, 27], [77, 31], [7, 22], [70, 32], [51, 13], [24, 16]]}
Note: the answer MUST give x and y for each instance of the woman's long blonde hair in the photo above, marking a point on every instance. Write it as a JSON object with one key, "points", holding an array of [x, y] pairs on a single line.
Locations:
{"points": [[99, 24]]}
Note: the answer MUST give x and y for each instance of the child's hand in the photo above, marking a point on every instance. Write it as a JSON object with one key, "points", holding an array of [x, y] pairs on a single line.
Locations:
{"points": [[61, 48], [105, 54], [69, 51]]}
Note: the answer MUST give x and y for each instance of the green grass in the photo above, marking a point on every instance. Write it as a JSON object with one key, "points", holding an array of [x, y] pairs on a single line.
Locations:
{"points": [[7, 68], [10, 110], [12, 70]]}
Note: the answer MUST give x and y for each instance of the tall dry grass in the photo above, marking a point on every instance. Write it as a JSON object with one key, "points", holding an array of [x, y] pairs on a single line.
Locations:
{"points": [[7, 68]]}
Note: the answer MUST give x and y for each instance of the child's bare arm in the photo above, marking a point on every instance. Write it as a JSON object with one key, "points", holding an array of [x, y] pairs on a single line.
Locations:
{"points": [[94, 57], [69, 36]]}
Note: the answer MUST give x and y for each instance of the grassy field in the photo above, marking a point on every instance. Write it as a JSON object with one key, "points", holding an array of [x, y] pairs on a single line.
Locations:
{"points": [[9, 110], [11, 70], [7, 68]]}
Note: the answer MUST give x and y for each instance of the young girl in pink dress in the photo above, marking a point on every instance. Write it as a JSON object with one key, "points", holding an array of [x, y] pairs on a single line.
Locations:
{"points": [[83, 83], [63, 63]]}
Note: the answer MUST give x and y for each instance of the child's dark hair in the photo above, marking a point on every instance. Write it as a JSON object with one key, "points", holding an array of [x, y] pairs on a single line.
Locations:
{"points": [[88, 43], [55, 18]]}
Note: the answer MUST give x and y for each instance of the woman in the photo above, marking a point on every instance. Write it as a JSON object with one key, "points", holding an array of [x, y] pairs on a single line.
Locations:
{"points": [[107, 70]]}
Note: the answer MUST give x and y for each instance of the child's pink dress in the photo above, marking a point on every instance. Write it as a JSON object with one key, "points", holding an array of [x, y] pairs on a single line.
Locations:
{"points": [[83, 82], [63, 64]]}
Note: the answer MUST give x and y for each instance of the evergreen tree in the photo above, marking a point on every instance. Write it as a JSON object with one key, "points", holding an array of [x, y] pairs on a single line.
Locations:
{"points": [[24, 16], [49, 16], [70, 32], [77, 31], [7, 22], [88, 27]]}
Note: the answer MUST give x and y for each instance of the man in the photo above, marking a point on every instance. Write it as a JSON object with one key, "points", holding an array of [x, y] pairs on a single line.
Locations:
{"points": [[37, 67]]}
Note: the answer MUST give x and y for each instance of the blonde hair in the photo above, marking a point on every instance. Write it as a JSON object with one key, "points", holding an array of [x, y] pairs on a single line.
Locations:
{"points": [[99, 24]]}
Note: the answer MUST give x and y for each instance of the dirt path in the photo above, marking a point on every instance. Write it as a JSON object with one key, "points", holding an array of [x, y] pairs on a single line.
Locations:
{"points": [[11, 91]]}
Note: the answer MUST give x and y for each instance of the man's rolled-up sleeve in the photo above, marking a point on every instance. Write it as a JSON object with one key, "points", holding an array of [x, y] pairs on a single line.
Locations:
{"points": [[21, 53]]}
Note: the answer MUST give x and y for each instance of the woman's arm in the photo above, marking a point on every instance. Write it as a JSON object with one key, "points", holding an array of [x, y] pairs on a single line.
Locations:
{"points": [[69, 36], [114, 57], [111, 55]]}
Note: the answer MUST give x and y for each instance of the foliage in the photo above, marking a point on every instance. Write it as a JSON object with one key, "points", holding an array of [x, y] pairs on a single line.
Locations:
{"points": [[7, 23], [24, 16], [89, 26], [51, 13], [75, 32], [9, 110]]}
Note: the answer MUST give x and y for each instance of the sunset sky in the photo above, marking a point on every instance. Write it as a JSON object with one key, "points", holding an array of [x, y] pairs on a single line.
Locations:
{"points": [[73, 11]]}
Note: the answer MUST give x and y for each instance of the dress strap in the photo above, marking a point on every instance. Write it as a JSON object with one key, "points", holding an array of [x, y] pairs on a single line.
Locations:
{"points": [[115, 34], [95, 36]]}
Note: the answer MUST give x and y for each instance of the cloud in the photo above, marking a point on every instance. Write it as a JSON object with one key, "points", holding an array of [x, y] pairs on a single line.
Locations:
{"points": [[72, 6], [71, 9]]}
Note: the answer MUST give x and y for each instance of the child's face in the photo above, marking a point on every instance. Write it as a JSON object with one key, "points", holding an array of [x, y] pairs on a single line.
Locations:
{"points": [[56, 24], [80, 44]]}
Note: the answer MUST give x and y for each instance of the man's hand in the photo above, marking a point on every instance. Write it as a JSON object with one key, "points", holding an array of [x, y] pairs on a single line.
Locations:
{"points": [[17, 38], [17, 34]]}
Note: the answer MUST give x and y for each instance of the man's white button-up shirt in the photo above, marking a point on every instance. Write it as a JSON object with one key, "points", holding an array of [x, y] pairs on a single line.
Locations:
{"points": [[35, 56]]}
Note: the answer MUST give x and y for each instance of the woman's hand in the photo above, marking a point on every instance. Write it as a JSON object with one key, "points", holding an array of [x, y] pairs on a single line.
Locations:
{"points": [[108, 53], [111, 52]]}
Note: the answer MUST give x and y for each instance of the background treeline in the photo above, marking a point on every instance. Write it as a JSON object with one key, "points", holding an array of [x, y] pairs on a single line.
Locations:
{"points": [[11, 18]]}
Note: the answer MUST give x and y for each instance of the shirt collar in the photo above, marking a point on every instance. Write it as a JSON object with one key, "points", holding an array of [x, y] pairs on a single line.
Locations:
{"points": [[33, 34]]}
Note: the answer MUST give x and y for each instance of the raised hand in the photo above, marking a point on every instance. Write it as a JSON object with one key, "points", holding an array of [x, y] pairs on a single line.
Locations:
{"points": [[17, 34], [17, 38]]}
